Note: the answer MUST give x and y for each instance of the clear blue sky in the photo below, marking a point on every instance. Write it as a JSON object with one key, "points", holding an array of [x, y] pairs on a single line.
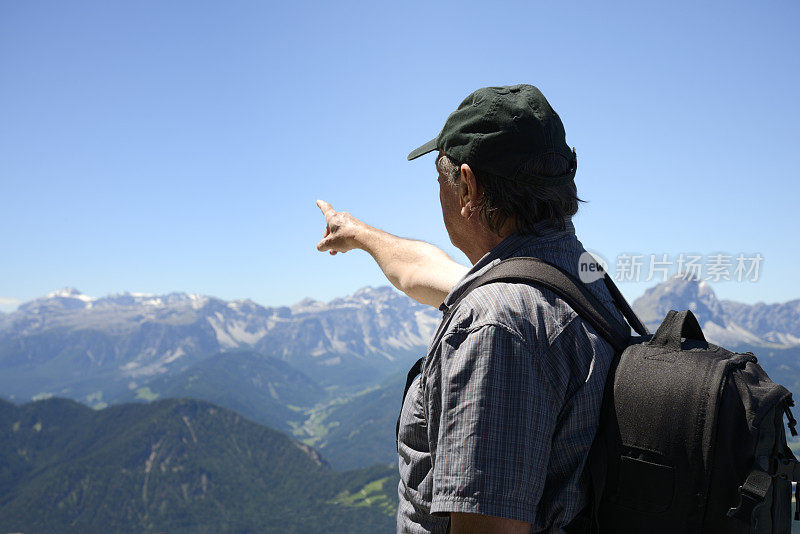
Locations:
{"points": [[180, 146]]}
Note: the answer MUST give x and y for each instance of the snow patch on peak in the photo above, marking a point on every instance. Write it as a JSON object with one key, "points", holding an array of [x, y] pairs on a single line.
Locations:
{"points": [[70, 293], [239, 304], [374, 297], [369, 291], [198, 301], [308, 305], [730, 335]]}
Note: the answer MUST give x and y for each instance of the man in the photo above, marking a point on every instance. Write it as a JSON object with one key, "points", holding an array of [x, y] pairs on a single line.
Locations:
{"points": [[495, 431]]}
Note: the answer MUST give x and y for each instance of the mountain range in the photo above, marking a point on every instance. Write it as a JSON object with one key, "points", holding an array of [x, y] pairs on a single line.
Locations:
{"points": [[215, 416], [73, 345], [724, 322], [329, 374]]}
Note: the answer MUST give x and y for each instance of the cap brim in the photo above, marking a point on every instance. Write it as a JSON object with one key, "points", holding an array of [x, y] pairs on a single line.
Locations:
{"points": [[430, 146]]}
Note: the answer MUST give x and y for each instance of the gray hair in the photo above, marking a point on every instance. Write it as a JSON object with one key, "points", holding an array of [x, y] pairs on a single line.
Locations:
{"points": [[525, 204]]}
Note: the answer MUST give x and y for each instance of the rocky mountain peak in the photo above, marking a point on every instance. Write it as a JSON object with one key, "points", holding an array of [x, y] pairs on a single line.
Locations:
{"points": [[66, 292], [308, 305], [724, 322], [680, 293], [374, 292], [65, 299]]}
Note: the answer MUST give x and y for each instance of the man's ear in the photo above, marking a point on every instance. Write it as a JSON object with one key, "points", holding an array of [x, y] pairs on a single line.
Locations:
{"points": [[469, 194]]}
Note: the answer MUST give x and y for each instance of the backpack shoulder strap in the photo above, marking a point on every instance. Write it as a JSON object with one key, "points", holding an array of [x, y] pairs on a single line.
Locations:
{"points": [[539, 273], [623, 306]]}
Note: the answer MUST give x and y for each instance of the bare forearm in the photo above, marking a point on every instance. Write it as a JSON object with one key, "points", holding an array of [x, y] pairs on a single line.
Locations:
{"points": [[420, 270]]}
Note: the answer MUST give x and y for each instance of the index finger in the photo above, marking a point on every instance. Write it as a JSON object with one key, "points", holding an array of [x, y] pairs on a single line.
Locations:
{"points": [[326, 208]]}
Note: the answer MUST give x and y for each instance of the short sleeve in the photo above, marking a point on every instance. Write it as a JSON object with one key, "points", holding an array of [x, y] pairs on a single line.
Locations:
{"points": [[492, 414]]}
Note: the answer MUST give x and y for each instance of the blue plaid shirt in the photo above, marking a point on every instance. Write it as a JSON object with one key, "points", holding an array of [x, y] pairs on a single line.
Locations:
{"points": [[502, 417]]}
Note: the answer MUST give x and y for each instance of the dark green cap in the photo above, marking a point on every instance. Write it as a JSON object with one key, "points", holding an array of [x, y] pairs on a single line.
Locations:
{"points": [[503, 131]]}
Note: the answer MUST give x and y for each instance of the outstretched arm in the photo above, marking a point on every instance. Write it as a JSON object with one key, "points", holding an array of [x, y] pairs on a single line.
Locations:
{"points": [[418, 269]]}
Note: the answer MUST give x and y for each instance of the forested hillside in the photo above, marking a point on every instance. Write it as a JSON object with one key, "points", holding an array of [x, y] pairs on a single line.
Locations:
{"points": [[174, 466]]}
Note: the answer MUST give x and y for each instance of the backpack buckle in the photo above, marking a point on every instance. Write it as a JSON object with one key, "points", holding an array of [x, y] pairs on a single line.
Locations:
{"points": [[747, 503]]}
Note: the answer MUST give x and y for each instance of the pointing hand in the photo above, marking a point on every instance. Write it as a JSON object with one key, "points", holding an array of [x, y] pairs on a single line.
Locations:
{"points": [[341, 230]]}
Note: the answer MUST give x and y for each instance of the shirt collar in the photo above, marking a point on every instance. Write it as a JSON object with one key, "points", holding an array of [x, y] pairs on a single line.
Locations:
{"points": [[507, 248]]}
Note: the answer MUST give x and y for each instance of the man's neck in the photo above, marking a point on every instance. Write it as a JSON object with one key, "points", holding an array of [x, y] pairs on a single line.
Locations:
{"points": [[481, 247], [483, 240]]}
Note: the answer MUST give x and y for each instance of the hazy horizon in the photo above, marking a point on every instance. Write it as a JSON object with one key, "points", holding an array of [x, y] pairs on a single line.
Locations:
{"points": [[6, 307]]}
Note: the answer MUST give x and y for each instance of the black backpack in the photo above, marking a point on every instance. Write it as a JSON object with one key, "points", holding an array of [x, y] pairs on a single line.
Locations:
{"points": [[691, 436]]}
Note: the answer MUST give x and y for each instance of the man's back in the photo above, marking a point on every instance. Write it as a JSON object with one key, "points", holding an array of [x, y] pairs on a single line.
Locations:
{"points": [[495, 431], [501, 419]]}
